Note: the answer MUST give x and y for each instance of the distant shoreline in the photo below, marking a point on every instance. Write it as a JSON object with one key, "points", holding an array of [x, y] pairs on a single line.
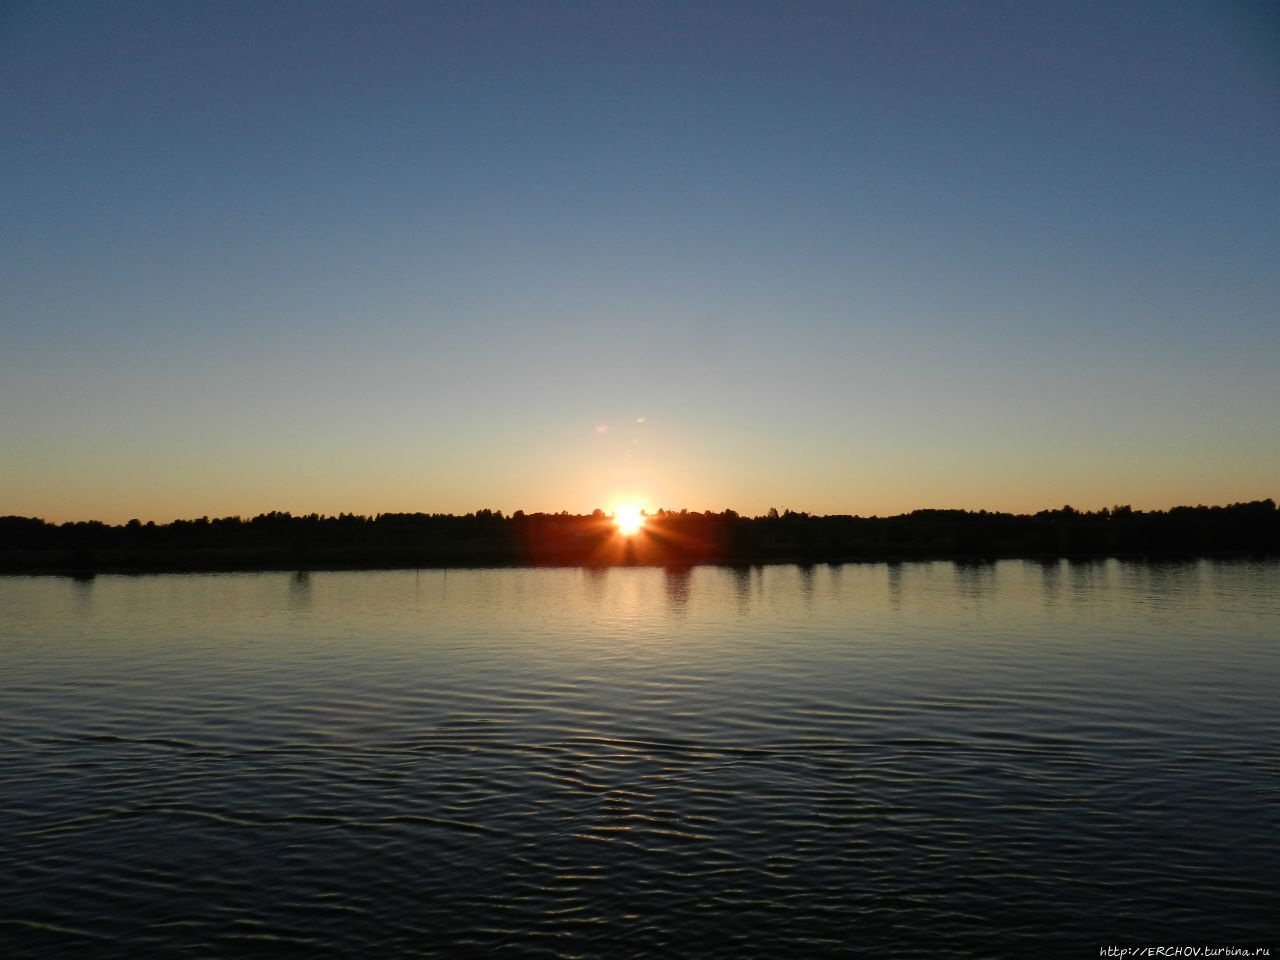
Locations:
{"points": [[281, 541], [40, 569]]}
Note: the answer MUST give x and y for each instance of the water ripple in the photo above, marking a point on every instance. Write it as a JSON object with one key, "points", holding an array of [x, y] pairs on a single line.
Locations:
{"points": [[839, 773]]}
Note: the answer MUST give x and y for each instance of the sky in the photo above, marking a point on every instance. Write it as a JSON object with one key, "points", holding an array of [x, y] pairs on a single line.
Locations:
{"points": [[846, 258]]}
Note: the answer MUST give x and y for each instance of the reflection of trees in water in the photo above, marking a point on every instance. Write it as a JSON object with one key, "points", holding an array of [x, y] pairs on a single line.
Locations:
{"points": [[1245, 581], [742, 586], [677, 587], [805, 571], [82, 592], [975, 580], [895, 584], [1166, 581], [594, 583], [1050, 581], [835, 573], [300, 590], [1086, 577]]}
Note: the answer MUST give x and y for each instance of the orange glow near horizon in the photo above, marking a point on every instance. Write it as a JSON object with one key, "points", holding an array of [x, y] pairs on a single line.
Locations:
{"points": [[629, 519]]}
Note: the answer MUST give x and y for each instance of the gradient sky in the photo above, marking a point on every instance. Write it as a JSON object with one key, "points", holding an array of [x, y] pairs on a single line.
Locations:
{"points": [[851, 257]]}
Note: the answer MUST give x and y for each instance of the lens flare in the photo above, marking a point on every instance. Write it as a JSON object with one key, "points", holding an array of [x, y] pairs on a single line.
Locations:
{"points": [[629, 519]]}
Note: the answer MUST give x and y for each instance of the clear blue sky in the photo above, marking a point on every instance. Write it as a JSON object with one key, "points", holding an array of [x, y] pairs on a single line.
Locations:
{"points": [[850, 257]]}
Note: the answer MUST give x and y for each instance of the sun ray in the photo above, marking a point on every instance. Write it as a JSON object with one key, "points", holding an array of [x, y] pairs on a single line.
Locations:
{"points": [[629, 519]]}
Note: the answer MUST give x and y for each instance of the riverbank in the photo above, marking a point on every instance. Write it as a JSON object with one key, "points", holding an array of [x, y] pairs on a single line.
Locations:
{"points": [[670, 539]]}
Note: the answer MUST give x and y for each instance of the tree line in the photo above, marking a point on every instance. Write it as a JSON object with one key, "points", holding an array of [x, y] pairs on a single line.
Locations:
{"points": [[280, 540]]}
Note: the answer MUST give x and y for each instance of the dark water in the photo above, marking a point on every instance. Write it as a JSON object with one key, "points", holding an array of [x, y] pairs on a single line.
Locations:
{"points": [[927, 759]]}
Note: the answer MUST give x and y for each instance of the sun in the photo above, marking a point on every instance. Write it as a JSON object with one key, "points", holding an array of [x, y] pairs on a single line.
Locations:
{"points": [[629, 519]]}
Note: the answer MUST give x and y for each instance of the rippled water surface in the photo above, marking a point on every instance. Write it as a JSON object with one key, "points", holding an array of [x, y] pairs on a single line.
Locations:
{"points": [[1006, 759]]}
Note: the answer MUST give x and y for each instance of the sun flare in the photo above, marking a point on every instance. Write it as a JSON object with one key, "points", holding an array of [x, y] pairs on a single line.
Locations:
{"points": [[629, 519]]}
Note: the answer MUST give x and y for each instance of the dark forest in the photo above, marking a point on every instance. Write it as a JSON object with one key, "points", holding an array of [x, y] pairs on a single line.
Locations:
{"points": [[280, 540]]}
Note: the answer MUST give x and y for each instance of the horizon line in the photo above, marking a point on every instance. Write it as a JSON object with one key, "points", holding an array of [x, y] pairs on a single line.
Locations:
{"points": [[497, 513]]}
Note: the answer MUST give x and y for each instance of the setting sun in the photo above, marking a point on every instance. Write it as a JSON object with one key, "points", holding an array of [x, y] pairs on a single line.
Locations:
{"points": [[629, 518]]}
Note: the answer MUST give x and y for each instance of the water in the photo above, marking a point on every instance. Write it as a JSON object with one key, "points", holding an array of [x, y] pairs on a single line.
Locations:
{"points": [[1004, 759]]}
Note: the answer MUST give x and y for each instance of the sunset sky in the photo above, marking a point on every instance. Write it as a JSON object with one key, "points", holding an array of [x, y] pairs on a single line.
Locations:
{"points": [[850, 257]]}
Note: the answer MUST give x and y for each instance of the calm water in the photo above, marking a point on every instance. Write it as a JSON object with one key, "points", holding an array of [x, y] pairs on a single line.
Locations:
{"points": [[1011, 759]]}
